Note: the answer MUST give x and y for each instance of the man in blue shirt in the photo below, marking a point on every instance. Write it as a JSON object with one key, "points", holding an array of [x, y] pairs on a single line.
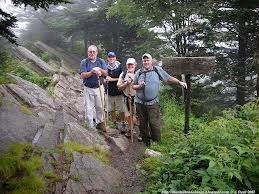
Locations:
{"points": [[146, 84], [91, 69]]}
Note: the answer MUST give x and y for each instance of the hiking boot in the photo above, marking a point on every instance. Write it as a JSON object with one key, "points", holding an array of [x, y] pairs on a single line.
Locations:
{"points": [[122, 127], [147, 143], [100, 126], [128, 134]]}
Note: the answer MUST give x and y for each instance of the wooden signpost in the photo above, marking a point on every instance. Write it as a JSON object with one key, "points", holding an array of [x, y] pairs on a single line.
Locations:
{"points": [[188, 66]]}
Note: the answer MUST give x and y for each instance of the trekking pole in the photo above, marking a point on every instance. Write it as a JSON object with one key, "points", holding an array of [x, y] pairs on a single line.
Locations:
{"points": [[131, 116], [102, 100], [107, 101]]}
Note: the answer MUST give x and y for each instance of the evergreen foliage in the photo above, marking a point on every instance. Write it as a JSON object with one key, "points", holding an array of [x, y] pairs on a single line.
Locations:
{"points": [[7, 21]]}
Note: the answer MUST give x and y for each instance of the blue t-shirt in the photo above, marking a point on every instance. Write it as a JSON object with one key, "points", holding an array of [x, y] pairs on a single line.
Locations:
{"points": [[86, 65], [149, 94]]}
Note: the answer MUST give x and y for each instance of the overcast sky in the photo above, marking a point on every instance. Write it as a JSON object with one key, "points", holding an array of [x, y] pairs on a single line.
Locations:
{"points": [[7, 6]]}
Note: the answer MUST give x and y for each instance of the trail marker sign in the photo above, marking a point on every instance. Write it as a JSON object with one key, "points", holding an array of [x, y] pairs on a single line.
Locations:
{"points": [[188, 66]]}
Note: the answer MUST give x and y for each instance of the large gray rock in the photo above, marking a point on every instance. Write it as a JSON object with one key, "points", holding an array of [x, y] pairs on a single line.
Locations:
{"points": [[68, 60], [75, 132], [93, 177], [38, 64], [15, 125], [69, 90]]}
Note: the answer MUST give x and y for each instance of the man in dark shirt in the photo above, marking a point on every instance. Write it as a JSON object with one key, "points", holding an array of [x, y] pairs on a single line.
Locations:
{"points": [[116, 98]]}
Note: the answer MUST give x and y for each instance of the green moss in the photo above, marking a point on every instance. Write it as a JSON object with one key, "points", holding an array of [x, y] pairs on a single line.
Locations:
{"points": [[52, 176], [1, 100], [76, 178], [50, 90], [26, 109], [95, 151], [18, 170]]}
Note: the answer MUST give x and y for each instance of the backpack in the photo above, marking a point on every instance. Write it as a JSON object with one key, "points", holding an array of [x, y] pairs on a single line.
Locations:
{"points": [[141, 71], [160, 78], [154, 69], [100, 62]]}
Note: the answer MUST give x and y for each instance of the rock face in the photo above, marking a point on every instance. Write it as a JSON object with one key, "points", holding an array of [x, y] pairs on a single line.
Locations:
{"points": [[95, 177], [38, 65], [69, 90], [69, 60], [51, 120], [29, 114]]}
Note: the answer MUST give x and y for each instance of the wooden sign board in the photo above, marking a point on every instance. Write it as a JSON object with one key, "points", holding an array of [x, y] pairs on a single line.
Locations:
{"points": [[188, 65]]}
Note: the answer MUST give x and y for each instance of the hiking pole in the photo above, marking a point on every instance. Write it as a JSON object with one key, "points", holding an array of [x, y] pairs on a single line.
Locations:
{"points": [[131, 117], [102, 100], [107, 101]]}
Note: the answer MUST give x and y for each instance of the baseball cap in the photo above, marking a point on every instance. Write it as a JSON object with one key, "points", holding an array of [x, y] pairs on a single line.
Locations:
{"points": [[147, 55], [111, 54], [131, 61]]}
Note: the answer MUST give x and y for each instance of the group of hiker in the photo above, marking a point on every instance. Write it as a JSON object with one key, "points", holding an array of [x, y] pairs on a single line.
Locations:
{"points": [[133, 94]]}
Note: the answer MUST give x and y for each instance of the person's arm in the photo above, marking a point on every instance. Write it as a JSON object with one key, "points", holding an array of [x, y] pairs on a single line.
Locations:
{"points": [[175, 80], [86, 74], [110, 79], [121, 84], [83, 70], [138, 86], [104, 72]]}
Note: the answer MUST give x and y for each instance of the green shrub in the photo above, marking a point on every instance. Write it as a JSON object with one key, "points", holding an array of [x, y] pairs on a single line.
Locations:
{"points": [[220, 155], [21, 69], [45, 57], [18, 170]]}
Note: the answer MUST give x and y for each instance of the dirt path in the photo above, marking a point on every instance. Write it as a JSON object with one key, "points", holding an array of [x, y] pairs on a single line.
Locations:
{"points": [[126, 162]]}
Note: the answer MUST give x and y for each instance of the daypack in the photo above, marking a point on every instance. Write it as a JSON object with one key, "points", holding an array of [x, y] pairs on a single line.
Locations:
{"points": [[160, 78], [154, 69], [99, 64]]}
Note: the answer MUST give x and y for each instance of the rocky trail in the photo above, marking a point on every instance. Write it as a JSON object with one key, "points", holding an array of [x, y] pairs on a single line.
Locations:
{"points": [[126, 163]]}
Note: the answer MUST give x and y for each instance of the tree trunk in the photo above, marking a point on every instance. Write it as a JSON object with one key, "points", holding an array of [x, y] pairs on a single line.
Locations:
{"points": [[241, 65]]}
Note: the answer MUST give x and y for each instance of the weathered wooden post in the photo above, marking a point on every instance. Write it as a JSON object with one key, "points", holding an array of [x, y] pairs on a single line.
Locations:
{"points": [[188, 66]]}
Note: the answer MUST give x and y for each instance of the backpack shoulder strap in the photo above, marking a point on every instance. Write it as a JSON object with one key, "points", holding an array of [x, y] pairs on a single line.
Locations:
{"points": [[123, 75], [86, 63], [156, 70]]}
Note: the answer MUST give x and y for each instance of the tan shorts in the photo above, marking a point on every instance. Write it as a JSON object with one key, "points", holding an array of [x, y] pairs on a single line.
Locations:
{"points": [[116, 103]]}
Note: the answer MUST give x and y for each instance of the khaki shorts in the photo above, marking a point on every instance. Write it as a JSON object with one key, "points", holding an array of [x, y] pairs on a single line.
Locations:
{"points": [[116, 103]]}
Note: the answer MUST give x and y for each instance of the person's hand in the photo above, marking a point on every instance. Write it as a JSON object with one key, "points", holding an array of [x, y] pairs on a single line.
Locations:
{"points": [[97, 71], [141, 84], [129, 80], [183, 84], [108, 78]]}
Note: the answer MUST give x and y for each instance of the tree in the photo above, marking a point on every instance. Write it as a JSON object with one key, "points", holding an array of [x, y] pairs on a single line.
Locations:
{"points": [[92, 26], [209, 23], [7, 21]]}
